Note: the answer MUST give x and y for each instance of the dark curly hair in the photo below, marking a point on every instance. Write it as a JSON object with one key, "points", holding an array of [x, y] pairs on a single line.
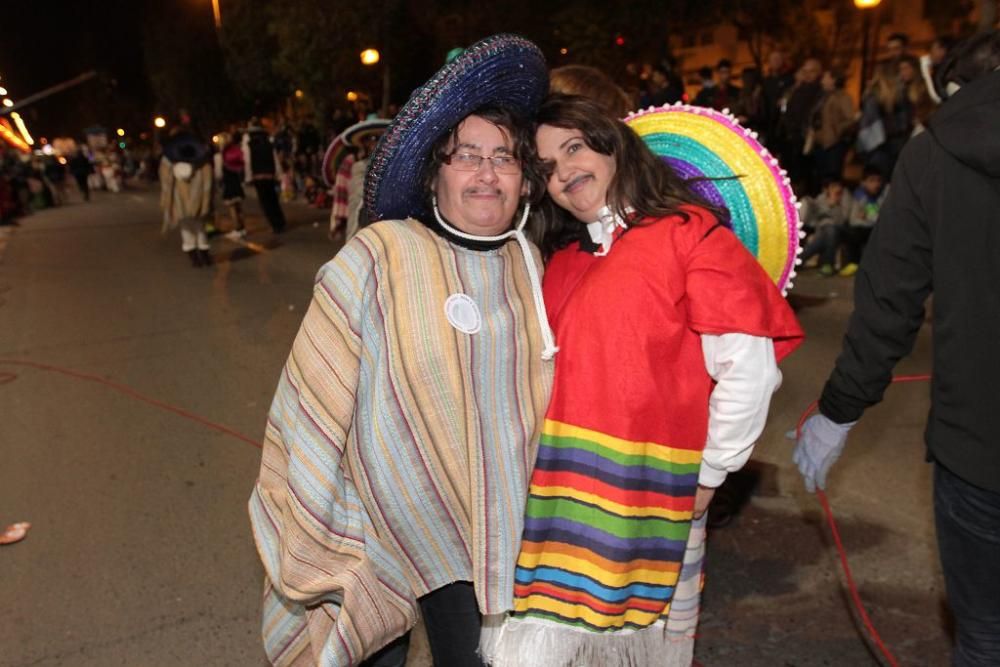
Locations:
{"points": [[522, 136], [642, 180]]}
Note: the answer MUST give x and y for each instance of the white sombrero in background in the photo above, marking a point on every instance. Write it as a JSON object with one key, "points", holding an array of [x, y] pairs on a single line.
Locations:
{"points": [[351, 138]]}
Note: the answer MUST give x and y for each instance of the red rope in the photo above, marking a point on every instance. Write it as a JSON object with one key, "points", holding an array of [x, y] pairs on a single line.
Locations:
{"points": [[128, 391], [841, 551]]}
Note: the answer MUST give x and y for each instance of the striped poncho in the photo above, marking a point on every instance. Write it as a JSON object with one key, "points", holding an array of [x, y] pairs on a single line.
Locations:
{"points": [[608, 544], [398, 448]]}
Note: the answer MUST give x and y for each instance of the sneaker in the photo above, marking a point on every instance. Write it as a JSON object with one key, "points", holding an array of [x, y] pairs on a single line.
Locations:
{"points": [[849, 270], [826, 270]]}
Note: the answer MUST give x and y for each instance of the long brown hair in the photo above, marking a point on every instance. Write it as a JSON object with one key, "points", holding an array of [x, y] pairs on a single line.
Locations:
{"points": [[642, 180]]}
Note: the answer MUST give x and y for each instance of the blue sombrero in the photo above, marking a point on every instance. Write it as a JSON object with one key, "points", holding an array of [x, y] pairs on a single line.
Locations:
{"points": [[504, 70]]}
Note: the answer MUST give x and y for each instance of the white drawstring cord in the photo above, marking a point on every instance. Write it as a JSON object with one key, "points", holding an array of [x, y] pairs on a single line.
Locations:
{"points": [[548, 340]]}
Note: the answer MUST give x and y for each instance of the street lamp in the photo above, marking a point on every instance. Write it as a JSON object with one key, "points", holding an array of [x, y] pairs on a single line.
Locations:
{"points": [[7, 103], [864, 5], [3, 91], [160, 122], [372, 57]]}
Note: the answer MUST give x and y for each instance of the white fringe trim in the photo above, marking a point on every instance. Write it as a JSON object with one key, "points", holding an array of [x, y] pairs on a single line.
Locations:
{"points": [[531, 642]]}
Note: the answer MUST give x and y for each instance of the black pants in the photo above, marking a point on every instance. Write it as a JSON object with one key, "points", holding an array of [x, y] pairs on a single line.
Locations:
{"points": [[451, 617], [855, 239], [267, 196], [83, 185], [968, 533]]}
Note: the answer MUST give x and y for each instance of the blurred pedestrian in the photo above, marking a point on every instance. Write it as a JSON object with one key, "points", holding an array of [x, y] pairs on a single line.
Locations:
{"points": [[750, 107], [937, 233], [794, 124], [81, 169], [833, 124], [915, 96], [876, 120], [263, 169], [665, 87], [897, 47], [931, 61], [778, 80], [229, 172], [186, 193], [723, 94]]}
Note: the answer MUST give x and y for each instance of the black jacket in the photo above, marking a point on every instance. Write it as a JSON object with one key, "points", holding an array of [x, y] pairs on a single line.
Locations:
{"points": [[939, 231]]}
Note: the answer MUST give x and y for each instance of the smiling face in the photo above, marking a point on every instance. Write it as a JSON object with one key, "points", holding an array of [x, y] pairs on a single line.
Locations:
{"points": [[580, 175], [480, 202]]}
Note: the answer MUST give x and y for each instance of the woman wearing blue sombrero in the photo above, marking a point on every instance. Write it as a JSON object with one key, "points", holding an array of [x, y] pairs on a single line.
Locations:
{"points": [[401, 437]]}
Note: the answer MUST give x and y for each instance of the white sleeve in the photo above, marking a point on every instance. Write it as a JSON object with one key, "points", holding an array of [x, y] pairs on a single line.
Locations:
{"points": [[746, 375]]}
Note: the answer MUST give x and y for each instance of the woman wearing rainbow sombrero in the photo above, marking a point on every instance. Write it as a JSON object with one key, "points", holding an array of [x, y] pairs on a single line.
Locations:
{"points": [[669, 333]]}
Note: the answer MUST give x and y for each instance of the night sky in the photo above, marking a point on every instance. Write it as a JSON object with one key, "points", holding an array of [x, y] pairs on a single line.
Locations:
{"points": [[45, 42]]}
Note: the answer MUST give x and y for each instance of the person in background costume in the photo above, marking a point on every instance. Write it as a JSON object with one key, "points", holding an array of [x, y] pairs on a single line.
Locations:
{"points": [[938, 232], [669, 334], [344, 166], [401, 437], [186, 193], [229, 170], [262, 168]]}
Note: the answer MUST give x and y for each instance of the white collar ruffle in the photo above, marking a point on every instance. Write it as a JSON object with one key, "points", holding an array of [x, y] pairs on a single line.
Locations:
{"points": [[602, 232]]}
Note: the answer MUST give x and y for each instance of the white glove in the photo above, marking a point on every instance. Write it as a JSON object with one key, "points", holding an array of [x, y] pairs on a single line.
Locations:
{"points": [[819, 446]]}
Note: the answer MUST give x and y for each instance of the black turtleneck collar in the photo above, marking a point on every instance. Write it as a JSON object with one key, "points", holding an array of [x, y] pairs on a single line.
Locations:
{"points": [[468, 244]]}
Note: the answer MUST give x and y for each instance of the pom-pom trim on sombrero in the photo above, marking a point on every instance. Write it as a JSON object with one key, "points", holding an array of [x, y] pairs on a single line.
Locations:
{"points": [[743, 176], [504, 70]]}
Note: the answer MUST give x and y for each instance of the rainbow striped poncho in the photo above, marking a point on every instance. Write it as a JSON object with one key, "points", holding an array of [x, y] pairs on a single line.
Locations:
{"points": [[609, 513]]}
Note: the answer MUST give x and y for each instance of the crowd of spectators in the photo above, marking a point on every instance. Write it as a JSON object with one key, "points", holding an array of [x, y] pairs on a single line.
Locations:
{"points": [[819, 133]]}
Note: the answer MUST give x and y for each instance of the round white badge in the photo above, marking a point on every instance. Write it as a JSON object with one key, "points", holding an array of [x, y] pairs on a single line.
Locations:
{"points": [[463, 313]]}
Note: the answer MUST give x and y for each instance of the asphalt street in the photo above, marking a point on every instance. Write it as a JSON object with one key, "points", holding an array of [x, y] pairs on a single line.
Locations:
{"points": [[140, 550]]}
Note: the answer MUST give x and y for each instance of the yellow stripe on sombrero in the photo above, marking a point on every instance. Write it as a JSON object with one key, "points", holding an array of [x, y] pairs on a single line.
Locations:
{"points": [[559, 429], [583, 612], [763, 193], [604, 577], [600, 501]]}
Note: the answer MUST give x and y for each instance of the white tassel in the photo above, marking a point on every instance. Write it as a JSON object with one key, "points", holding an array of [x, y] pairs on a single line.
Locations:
{"points": [[538, 643]]}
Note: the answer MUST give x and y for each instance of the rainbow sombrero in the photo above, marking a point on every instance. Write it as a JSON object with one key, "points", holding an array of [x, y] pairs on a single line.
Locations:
{"points": [[349, 139], [739, 174]]}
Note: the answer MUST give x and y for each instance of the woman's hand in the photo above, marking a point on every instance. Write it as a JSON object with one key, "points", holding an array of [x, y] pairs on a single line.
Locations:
{"points": [[702, 498]]}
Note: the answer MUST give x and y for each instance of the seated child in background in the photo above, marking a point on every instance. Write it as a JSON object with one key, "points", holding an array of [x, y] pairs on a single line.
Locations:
{"points": [[868, 199], [827, 216]]}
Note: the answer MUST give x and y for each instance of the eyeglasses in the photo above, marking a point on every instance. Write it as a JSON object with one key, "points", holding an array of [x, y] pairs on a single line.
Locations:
{"points": [[502, 164]]}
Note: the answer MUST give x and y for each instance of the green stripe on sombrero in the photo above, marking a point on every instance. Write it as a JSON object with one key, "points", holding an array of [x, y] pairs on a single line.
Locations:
{"points": [[622, 459], [722, 136], [731, 189]]}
